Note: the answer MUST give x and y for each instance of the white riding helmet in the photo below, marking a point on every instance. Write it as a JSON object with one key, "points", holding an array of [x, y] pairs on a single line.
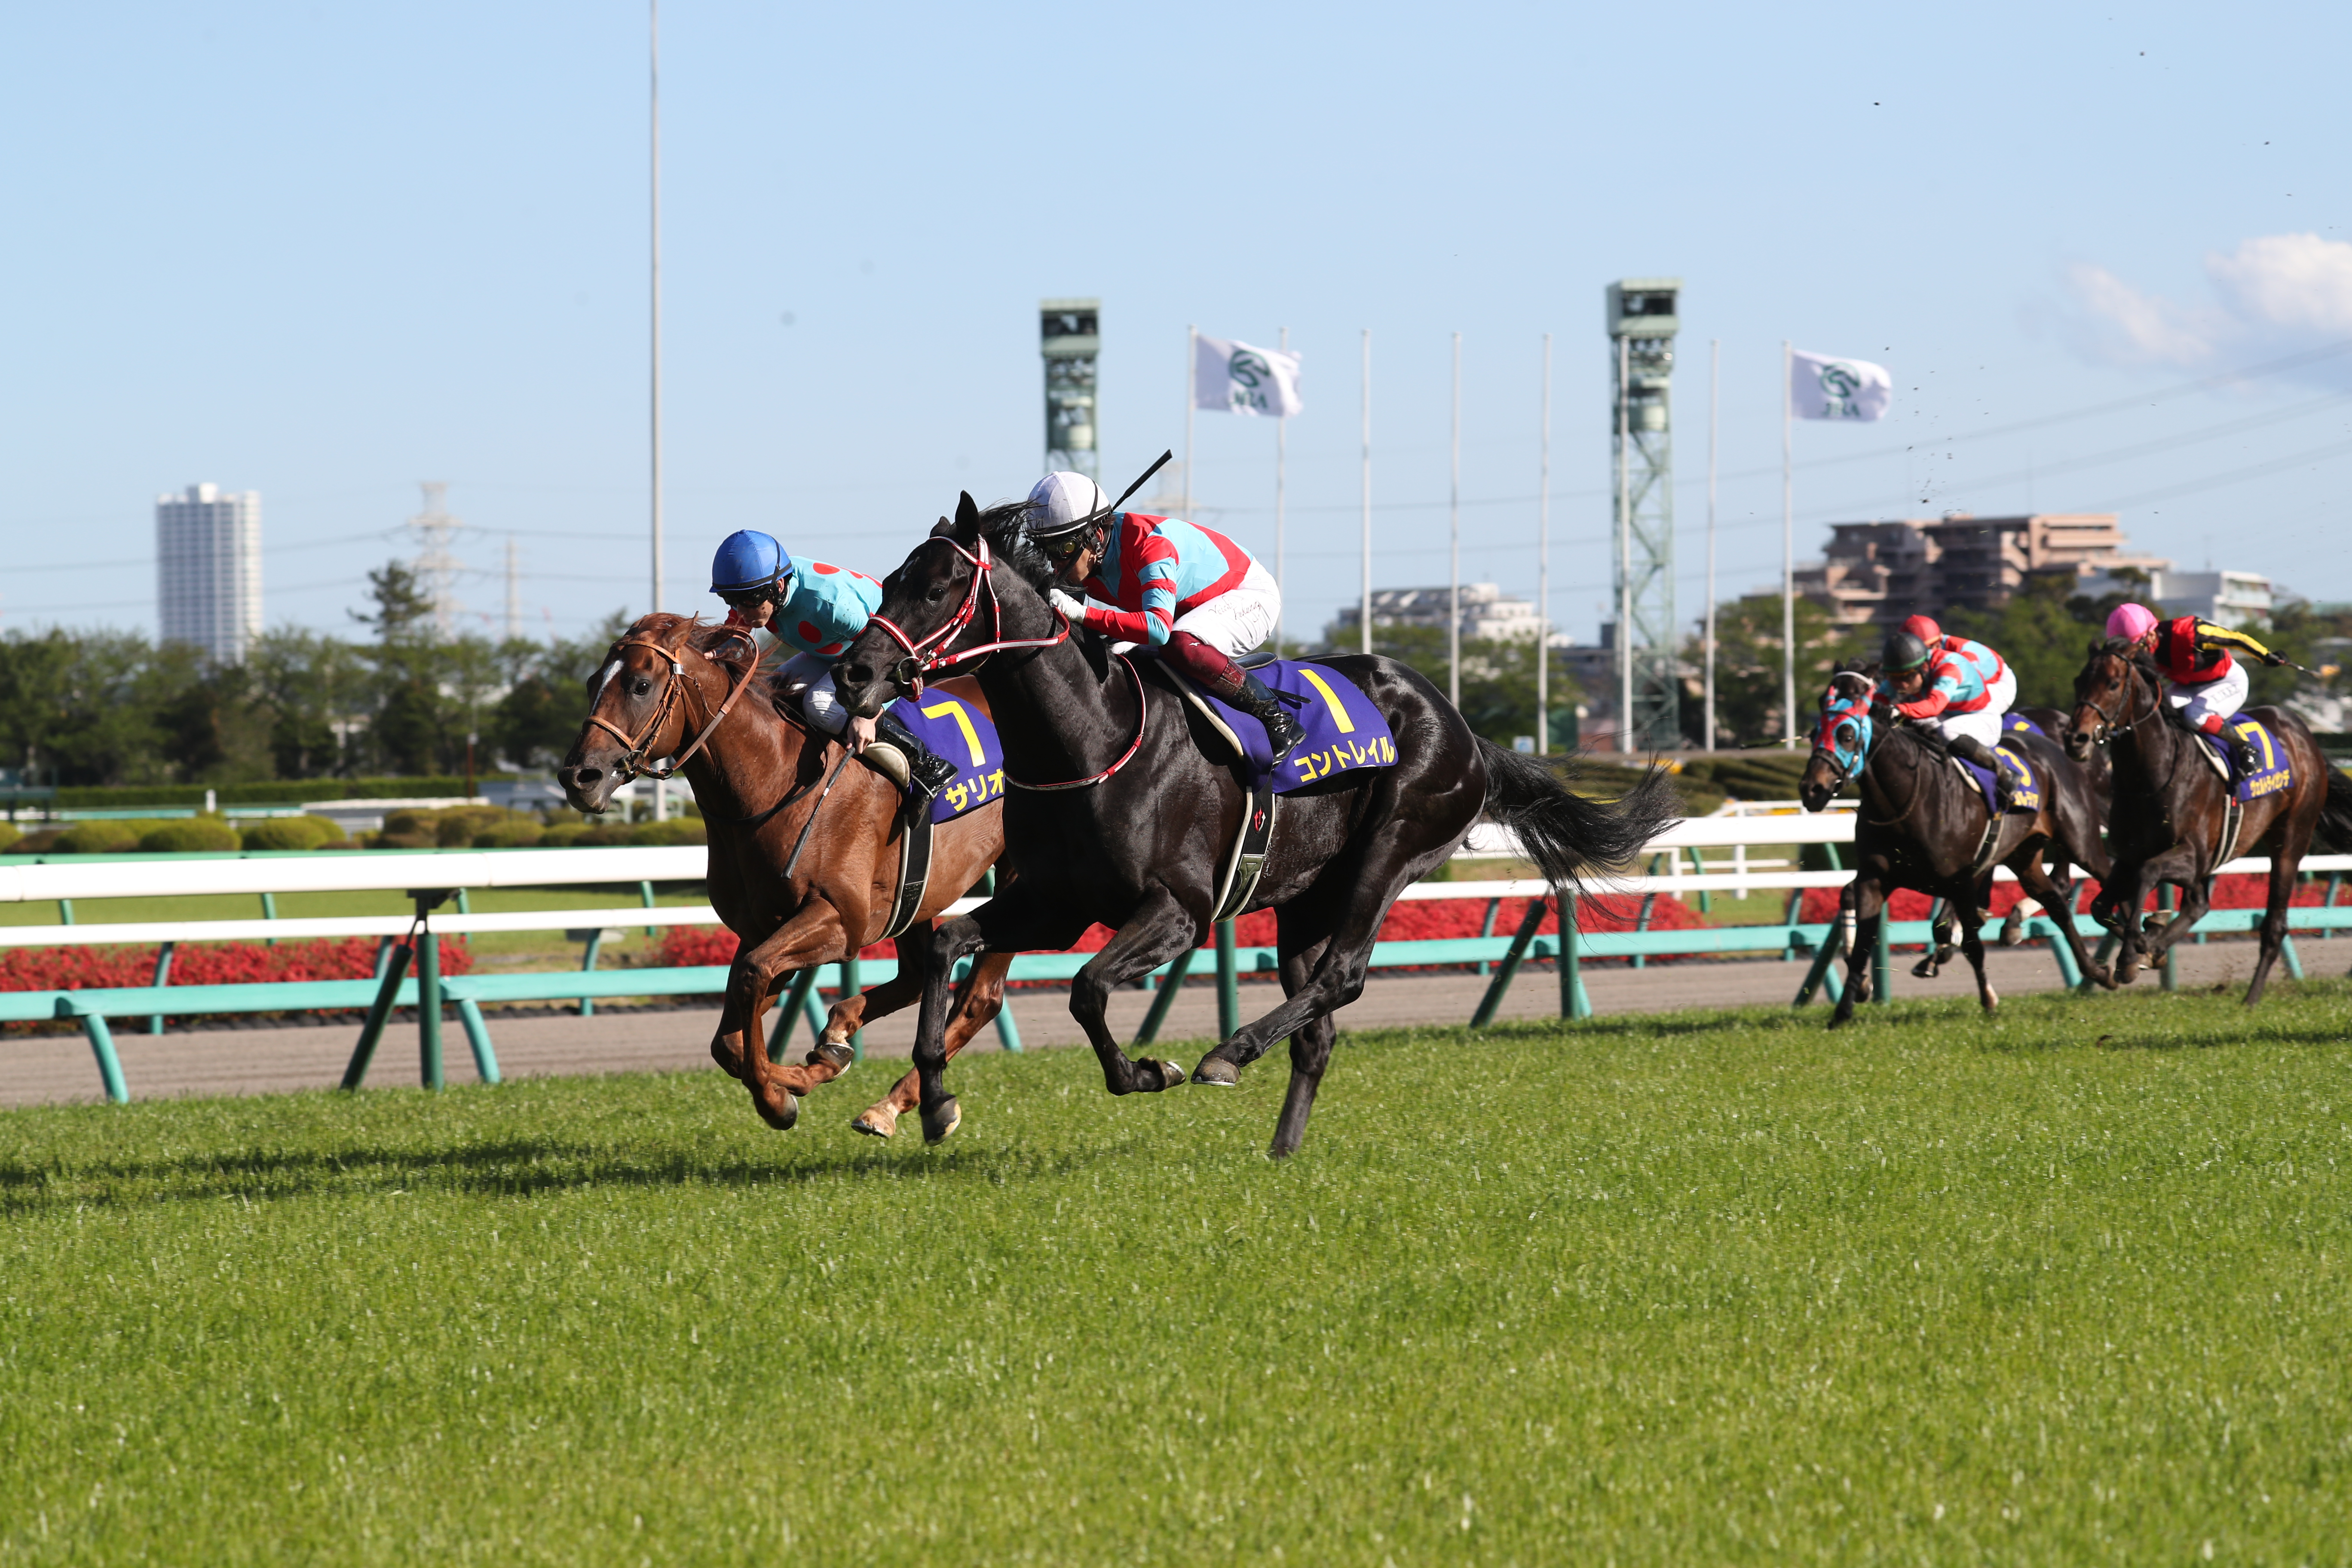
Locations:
{"points": [[1063, 503]]}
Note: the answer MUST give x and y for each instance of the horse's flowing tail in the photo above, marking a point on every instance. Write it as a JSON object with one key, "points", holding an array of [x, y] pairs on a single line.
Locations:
{"points": [[1564, 834], [2335, 816]]}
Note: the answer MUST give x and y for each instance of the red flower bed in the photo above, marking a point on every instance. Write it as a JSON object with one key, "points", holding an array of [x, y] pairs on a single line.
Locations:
{"points": [[2229, 893], [203, 964], [1420, 920]]}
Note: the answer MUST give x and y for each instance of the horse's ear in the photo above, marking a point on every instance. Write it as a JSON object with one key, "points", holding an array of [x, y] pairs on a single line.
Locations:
{"points": [[2098, 648], [967, 517], [944, 529]]}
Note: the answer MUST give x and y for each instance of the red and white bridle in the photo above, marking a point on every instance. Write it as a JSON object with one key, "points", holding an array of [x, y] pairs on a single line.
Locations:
{"points": [[931, 654]]}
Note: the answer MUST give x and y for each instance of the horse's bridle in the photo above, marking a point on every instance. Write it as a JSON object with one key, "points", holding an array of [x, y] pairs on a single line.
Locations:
{"points": [[931, 654], [633, 763], [2108, 728]]}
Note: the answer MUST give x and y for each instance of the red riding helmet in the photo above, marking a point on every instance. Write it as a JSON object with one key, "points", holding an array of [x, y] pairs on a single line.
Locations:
{"points": [[1925, 628]]}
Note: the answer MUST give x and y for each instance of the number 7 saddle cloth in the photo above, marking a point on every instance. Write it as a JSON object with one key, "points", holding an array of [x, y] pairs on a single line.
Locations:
{"points": [[962, 731], [2271, 776]]}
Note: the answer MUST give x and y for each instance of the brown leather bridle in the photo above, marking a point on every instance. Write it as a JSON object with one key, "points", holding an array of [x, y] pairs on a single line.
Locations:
{"points": [[633, 763]]}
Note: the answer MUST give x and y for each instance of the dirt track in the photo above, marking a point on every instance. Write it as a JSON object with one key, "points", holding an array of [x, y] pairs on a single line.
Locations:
{"points": [[57, 1069]]}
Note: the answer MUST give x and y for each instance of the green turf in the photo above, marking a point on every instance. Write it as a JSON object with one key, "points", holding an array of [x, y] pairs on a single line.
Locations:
{"points": [[2066, 1287]]}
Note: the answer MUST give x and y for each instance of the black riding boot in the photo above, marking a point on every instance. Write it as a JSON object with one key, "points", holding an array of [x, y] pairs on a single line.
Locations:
{"points": [[929, 771], [2245, 757], [1969, 749], [1282, 732]]}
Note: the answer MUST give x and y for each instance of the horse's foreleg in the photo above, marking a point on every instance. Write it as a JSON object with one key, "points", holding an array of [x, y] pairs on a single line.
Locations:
{"points": [[1158, 930], [1971, 917], [813, 935], [1864, 906], [2056, 899], [1020, 918], [977, 1000]]}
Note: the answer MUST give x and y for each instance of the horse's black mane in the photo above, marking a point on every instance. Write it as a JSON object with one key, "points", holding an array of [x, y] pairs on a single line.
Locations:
{"points": [[1001, 526]]}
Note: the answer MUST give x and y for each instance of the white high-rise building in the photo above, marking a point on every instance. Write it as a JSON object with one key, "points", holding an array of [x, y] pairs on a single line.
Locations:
{"points": [[208, 570]]}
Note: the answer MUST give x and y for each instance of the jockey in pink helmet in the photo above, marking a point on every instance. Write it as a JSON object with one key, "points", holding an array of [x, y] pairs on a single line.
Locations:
{"points": [[2209, 687], [1186, 590]]}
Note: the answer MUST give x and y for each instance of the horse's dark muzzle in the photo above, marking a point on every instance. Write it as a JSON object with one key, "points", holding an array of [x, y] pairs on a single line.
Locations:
{"points": [[586, 787]]}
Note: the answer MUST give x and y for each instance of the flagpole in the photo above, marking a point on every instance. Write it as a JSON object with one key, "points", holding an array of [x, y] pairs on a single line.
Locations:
{"points": [[654, 432], [1364, 611], [1543, 568], [1453, 607], [1714, 402], [1788, 551], [1281, 465], [1191, 396], [1624, 552]]}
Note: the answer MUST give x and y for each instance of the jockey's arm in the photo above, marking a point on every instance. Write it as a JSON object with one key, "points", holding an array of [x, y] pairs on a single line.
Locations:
{"points": [[1153, 621], [1935, 700], [2211, 635]]}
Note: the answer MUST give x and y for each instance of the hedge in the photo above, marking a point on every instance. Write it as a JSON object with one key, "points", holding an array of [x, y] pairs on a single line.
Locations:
{"points": [[263, 792]]}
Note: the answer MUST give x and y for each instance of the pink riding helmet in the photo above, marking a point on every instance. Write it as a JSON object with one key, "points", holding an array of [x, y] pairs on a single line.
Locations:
{"points": [[2131, 621]]}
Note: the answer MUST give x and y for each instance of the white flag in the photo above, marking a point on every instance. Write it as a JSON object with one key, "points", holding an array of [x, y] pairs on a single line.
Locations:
{"points": [[1237, 378], [1825, 388]]}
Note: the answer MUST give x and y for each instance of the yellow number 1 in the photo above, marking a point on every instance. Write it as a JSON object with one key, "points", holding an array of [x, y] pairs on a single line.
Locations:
{"points": [[963, 722], [1339, 714]]}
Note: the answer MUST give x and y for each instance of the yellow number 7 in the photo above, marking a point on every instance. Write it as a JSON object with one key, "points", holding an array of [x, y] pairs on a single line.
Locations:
{"points": [[963, 722]]}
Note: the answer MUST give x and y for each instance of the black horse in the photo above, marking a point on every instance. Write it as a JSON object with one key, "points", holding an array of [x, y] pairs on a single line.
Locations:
{"points": [[2172, 818], [1124, 811], [1925, 827]]}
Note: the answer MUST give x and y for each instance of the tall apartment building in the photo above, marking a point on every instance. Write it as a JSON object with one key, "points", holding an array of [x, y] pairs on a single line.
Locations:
{"points": [[208, 570], [1878, 572]]}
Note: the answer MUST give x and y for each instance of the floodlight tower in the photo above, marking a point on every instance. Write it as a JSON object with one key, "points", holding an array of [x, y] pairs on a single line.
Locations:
{"points": [[436, 569], [1071, 339], [1641, 327]]}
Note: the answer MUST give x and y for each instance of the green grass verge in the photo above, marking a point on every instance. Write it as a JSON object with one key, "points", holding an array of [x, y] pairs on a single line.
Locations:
{"points": [[2065, 1286]]}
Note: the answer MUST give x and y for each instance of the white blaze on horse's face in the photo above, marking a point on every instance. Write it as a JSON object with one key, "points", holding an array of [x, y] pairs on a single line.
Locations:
{"points": [[603, 679]]}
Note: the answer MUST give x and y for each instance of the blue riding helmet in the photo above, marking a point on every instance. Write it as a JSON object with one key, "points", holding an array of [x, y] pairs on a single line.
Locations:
{"points": [[748, 560]]}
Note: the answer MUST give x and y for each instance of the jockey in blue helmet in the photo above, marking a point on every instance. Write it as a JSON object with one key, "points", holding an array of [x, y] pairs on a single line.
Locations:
{"points": [[815, 608]]}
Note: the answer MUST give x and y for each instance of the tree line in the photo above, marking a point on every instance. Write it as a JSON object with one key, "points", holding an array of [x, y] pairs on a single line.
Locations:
{"points": [[113, 708]]}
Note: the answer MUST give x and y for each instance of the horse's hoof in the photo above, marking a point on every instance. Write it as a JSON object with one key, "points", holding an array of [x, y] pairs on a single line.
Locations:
{"points": [[878, 1120], [2012, 933], [1926, 969], [1218, 1071], [834, 1054], [782, 1121], [942, 1119], [1171, 1075], [1992, 999]]}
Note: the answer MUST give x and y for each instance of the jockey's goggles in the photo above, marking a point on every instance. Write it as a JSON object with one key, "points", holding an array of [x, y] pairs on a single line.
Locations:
{"points": [[745, 598], [1064, 546]]}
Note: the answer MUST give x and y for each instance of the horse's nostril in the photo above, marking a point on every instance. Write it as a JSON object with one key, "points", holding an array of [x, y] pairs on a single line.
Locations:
{"points": [[587, 776]]}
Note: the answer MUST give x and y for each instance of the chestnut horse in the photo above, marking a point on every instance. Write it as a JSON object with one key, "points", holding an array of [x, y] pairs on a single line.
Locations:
{"points": [[2171, 809], [804, 850]]}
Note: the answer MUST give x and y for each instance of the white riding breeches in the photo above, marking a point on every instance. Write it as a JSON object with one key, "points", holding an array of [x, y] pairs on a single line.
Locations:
{"points": [[1241, 617], [2218, 698], [1984, 724], [813, 675]]}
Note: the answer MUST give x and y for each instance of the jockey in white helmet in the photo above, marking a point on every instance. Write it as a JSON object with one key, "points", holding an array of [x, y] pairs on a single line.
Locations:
{"points": [[1189, 591]]}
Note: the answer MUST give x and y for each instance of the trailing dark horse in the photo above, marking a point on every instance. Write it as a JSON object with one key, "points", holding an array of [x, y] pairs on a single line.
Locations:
{"points": [[1924, 825], [803, 851], [1124, 811], [2171, 819]]}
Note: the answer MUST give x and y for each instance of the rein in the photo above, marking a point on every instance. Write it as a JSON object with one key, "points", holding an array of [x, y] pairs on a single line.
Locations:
{"points": [[1142, 717], [633, 763], [923, 656], [1918, 795]]}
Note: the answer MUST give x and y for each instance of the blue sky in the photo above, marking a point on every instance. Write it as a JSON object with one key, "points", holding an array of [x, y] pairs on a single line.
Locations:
{"points": [[325, 252]]}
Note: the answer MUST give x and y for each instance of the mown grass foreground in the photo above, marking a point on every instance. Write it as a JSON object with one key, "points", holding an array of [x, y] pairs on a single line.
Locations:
{"points": [[2069, 1286]]}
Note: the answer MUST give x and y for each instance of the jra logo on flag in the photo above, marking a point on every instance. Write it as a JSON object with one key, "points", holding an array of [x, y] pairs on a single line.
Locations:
{"points": [[1821, 387], [1234, 377]]}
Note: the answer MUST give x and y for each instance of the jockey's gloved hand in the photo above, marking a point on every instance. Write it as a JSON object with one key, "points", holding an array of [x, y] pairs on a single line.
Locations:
{"points": [[2274, 659], [1070, 605]]}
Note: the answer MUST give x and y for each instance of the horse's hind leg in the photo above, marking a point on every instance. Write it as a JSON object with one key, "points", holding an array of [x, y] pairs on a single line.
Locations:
{"points": [[1310, 1053], [976, 1006], [2285, 863]]}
